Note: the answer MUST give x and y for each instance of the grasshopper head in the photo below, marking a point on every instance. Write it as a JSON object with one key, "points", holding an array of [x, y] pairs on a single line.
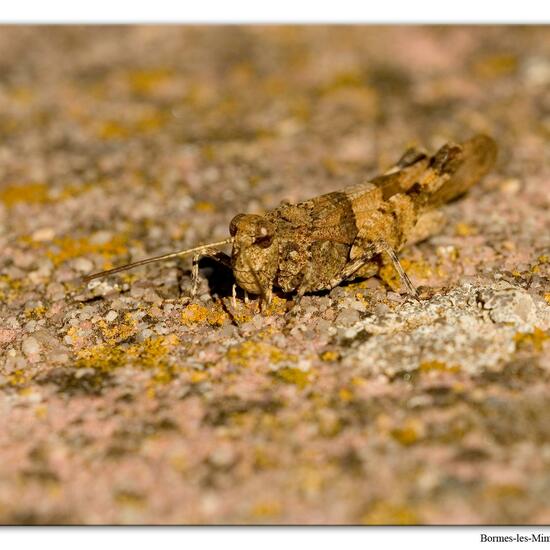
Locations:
{"points": [[255, 252]]}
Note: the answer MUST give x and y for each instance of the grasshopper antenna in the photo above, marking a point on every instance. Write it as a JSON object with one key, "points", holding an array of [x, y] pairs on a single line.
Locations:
{"points": [[163, 257]]}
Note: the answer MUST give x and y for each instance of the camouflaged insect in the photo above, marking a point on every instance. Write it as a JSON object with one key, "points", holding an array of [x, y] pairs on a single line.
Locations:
{"points": [[317, 244]]}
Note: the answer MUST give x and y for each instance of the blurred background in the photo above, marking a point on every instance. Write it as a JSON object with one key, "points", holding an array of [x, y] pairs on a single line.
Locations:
{"points": [[122, 141]]}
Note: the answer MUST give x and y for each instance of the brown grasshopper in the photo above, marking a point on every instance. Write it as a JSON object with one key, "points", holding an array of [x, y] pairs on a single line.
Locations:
{"points": [[317, 244]]}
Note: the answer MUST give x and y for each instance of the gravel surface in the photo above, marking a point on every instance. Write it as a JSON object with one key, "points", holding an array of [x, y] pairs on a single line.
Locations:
{"points": [[127, 402]]}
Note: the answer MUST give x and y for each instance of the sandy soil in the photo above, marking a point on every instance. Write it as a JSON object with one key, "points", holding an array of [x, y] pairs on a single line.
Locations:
{"points": [[129, 403]]}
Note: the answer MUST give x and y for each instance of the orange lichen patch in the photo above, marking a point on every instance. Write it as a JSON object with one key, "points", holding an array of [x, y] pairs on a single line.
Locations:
{"points": [[465, 230], [387, 513], [438, 366], [534, 340], [34, 193], [249, 351], [68, 248], [196, 314], [146, 81], [120, 331], [417, 268], [547, 297], [409, 433]]}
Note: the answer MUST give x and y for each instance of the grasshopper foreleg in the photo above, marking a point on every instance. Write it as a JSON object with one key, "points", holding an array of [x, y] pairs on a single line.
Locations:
{"points": [[220, 257]]}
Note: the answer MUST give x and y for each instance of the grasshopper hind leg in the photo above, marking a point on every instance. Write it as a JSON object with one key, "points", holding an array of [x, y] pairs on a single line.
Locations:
{"points": [[364, 266], [400, 271]]}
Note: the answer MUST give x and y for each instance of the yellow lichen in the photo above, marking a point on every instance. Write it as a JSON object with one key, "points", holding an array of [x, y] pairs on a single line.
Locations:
{"points": [[330, 356], [145, 81], [120, 331], [34, 193], [533, 339], [198, 376], [153, 351], [196, 314], [111, 129], [408, 433], [10, 287], [417, 268], [41, 412], [68, 248], [249, 351], [276, 307], [438, 366], [465, 230], [496, 66], [264, 460], [342, 80], [345, 394], [18, 377], [130, 499], [292, 375], [149, 354], [547, 297], [102, 357], [35, 312], [266, 509], [388, 513], [150, 123], [205, 207]]}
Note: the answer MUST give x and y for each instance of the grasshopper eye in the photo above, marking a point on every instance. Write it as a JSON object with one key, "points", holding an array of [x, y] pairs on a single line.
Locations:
{"points": [[264, 237], [264, 242]]}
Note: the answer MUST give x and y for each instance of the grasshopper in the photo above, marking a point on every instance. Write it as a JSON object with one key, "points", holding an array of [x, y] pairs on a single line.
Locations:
{"points": [[317, 244]]}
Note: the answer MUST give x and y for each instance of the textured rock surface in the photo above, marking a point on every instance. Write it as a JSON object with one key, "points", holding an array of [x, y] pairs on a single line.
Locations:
{"points": [[126, 402], [472, 328]]}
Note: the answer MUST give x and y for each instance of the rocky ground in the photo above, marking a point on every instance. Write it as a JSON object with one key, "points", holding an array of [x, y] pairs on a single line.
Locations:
{"points": [[129, 403]]}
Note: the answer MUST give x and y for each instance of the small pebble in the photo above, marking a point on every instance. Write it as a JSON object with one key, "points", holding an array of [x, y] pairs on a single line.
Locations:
{"points": [[111, 316], [30, 346], [348, 317], [83, 265], [43, 235], [152, 297], [222, 456]]}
